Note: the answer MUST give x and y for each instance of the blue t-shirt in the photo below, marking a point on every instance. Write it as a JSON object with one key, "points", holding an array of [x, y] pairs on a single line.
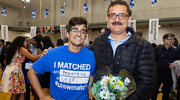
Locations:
{"points": [[70, 72]]}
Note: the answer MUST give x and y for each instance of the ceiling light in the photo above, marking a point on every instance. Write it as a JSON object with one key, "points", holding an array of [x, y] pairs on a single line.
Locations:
{"points": [[27, 0]]}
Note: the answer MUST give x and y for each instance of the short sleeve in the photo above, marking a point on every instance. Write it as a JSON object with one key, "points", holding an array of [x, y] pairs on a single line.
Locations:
{"points": [[41, 65]]}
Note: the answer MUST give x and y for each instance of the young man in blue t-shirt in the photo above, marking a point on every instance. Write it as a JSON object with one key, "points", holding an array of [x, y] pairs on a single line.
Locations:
{"points": [[70, 66]]}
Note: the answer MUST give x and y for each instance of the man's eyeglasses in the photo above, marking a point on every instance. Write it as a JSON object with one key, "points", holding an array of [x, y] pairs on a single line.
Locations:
{"points": [[121, 16], [171, 40], [75, 31]]}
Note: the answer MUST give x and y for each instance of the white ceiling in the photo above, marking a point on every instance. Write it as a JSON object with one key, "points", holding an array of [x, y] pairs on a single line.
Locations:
{"points": [[17, 3]]}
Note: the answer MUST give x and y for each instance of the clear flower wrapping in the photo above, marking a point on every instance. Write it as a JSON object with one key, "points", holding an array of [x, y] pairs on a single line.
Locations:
{"points": [[114, 87]]}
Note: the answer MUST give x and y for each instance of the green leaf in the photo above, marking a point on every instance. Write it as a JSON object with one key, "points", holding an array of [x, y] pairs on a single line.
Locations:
{"points": [[109, 87]]}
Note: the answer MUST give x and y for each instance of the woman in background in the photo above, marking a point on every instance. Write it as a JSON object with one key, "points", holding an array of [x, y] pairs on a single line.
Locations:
{"points": [[59, 42], [45, 81], [13, 79]]}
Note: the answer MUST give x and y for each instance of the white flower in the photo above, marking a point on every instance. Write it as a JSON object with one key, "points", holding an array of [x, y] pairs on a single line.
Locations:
{"points": [[104, 87], [104, 79], [117, 86], [122, 87], [112, 96], [104, 94], [114, 80]]}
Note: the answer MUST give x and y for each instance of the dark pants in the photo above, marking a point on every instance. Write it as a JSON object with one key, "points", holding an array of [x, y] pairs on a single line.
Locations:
{"points": [[166, 79], [27, 94], [2, 65], [178, 89]]}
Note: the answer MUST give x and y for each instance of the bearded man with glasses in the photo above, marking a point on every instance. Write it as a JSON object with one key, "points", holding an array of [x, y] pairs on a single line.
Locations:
{"points": [[120, 48]]}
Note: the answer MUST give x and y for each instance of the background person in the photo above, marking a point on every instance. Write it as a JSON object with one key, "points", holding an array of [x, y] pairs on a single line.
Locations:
{"points": [[165, 55], [90, 42], [45, 81], [103, 30], [59, 42], [139, 33], [66, 40], [8, 43], [2, 52], [25, 70], [36, 49], [13, 79]]}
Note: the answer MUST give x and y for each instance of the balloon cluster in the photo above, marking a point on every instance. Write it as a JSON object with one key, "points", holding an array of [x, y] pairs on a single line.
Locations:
{"points": [[62, 11], [131, 3], [33, 14], [4, 11], [85, 8], [46, 12]]}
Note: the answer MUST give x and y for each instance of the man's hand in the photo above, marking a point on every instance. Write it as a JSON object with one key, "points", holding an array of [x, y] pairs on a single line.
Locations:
{"points": [[171, 66], [47, 98], [45, 51]]}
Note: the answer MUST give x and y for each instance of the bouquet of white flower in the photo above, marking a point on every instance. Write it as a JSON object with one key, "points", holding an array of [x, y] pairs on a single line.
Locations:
{"points": [[114, 87]]}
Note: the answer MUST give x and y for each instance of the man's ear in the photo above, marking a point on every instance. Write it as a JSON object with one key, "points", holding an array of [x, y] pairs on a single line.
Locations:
{"points": [[106, 18], [163, 40], [129, 19], [67, 34], [107, 21], [86, 36]]}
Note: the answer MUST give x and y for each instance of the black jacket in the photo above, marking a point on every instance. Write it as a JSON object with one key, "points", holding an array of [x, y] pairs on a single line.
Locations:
{"points": [[136, 56], [164, 57]]}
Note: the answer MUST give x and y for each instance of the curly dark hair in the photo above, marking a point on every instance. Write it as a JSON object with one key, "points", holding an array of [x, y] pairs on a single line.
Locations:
{"points": [[120, 2], [76, 21], [17, 43]]}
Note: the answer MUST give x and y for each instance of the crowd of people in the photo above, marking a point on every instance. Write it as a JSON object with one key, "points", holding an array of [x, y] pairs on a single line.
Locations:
{"points": [[64, 72], [16, 59]]}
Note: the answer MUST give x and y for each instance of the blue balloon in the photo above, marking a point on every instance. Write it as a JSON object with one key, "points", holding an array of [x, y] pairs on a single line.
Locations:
{"points": [[85, 8], [131, 3], [4, 11], [154, 2], [62, 10], [33, 13], [46, 12]]}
